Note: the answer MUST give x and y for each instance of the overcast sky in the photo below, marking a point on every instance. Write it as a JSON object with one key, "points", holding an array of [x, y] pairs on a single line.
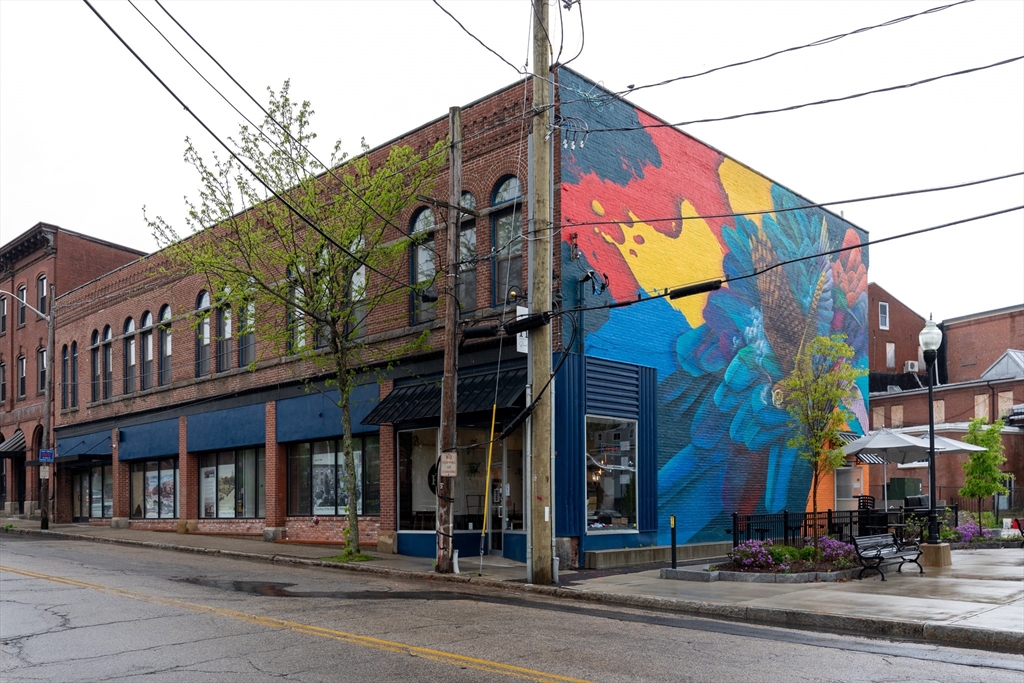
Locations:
{"points": [[87, 136]]}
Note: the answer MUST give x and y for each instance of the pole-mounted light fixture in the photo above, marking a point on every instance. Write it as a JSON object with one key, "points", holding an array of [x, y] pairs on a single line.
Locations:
{"points": [[930, 339]]}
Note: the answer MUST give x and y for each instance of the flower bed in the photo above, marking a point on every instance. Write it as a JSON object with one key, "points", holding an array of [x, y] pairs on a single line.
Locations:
{"points": [[766, 557]]}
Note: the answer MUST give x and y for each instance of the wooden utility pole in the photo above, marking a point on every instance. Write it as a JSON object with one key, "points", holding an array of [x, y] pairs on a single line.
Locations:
{"points": [[541, 503], [449, 382], [44, 504]]}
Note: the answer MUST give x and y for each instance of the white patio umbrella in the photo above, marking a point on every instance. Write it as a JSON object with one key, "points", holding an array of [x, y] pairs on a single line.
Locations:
{"points": [[946, 445], [889, 447]]}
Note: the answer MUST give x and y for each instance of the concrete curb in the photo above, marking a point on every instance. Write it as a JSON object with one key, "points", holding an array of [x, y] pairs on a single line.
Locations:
{"points": [[938, 634]]}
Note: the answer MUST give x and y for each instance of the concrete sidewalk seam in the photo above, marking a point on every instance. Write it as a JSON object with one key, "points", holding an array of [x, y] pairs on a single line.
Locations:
{"points": [[929, 632]]}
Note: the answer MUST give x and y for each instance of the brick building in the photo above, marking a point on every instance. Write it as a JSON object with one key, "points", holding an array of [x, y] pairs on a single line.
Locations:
{"points": [[895, 357], [979, 374], [42, 256], [663, 406]]}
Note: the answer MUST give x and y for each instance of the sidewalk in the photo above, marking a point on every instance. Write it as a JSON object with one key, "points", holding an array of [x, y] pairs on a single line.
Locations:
{"points": [[978, 602]]}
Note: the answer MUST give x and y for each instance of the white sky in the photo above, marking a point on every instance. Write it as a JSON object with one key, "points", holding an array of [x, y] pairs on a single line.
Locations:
{"points": [[87, 136]]}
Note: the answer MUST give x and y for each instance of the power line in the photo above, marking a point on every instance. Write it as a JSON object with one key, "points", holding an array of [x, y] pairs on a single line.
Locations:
{"points": [[621, 129], [482, 43], [566, 224], [816, 43], [288, 133], [668, 291], [235, 156]]}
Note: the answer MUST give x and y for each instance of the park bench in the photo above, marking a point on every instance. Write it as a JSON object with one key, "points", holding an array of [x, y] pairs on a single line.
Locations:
{"points": [[874, 551]]}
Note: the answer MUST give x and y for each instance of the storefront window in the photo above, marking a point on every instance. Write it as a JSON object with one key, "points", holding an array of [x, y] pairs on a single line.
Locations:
{"points": [[233, 484], [154, 489], [848, 484], [417, 480], [92, 493], [318, 479], [611, 474]]}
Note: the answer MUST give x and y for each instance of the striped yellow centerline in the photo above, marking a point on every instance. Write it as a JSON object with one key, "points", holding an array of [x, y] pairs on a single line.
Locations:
{"points": [[307, 629]]}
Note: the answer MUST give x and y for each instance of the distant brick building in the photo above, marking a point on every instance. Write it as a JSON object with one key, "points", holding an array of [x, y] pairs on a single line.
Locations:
{"points": [[42, 256], [974, 342]]}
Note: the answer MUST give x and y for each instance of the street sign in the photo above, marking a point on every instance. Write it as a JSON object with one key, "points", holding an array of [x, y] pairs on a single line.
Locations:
{"points": [[46, 455], [44, 471], [523, 338], [449, 464]]}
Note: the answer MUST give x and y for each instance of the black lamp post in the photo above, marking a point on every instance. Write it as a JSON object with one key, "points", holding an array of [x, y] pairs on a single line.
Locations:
{"points": [[930, 339]]}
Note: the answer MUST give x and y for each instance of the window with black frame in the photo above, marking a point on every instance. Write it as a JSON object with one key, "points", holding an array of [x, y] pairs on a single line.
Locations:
{"points": [[423, 266], [146, 336], [155, 489], [74, 375], [97, 371], [64, 378], [246, 335], [224, 338], [318, 481], [108, 361], [165, 343], [507, 236], [233, 484], [467, 255], [129, 356], [203, 334]]}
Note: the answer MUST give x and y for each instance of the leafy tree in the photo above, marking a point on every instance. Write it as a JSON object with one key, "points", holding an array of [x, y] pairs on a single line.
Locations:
{"points": [[983, 477], [305, 292], [816, 393]]}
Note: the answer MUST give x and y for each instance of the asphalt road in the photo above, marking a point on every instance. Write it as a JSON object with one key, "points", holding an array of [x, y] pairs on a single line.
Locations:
{"points": [[79, 611]]}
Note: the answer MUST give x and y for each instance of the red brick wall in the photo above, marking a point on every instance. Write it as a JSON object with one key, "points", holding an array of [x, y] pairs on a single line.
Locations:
{"points": [[973, 343], [277, 472], [904, 326], [188, 473], [122, 480]]}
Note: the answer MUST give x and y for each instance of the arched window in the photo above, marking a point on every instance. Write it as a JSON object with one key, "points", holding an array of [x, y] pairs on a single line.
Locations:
{"points": [[97, 370], [507, 236], [74, 375], [224, 338], [64, 377], [41, 293], [164, 373], [146, 342], [129, 356], [423, 266], [3, 314], [467, 255], [247, 335], [108, 361], [203, 334]]}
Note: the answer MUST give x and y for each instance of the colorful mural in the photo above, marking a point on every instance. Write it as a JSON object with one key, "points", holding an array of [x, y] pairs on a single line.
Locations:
{"points": [[653, 209]]}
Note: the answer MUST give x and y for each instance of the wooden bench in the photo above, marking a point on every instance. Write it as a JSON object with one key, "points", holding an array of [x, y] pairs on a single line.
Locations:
{"points": [[874, 551]]}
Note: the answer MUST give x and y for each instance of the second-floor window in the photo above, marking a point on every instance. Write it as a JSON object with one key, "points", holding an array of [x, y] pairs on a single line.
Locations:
{"points": [[74, 375], [507, 224], [108, 361], [224, 338], [21, 305], [3, 384], [3, 314], [165, 346], [247, 335], [64, 378], [883, 315], [203, 334], [41, 370], [146, 344], [423, 266], [129, 356], [97, 370], [467, 256], [41, 294], [21, 376]]}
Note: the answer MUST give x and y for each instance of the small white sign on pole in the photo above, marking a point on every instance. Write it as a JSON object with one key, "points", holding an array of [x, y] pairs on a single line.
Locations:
{"points": [[523, 338], [44, 471], [449, 464]]}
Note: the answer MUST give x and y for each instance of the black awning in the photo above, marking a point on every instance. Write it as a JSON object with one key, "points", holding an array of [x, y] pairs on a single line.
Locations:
{"points": [[13, 445], [871, 459], [476, 393]]}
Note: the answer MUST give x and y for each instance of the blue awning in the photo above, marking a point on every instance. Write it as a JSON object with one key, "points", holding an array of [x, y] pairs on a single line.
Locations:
{"points": [[74, 448]]}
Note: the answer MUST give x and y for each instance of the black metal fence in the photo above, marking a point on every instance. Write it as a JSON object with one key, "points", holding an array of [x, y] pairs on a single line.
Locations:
{"points": [[792, 528]]}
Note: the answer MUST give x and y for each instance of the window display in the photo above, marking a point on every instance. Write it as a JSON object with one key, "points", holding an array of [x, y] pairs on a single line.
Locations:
{"points": [[318, 478], [611, 474]]}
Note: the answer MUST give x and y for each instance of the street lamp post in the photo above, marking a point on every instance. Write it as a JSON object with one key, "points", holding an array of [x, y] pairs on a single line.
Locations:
{"points": [[44, 507], [930, 339]]}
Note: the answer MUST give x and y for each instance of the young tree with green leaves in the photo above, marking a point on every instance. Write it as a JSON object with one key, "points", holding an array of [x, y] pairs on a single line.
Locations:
{"points": [[306, 290], [823, 382], [983, 477]]}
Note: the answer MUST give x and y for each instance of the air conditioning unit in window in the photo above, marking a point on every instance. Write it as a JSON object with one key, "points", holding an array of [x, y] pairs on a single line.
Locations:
{"points": [[910, 366]]}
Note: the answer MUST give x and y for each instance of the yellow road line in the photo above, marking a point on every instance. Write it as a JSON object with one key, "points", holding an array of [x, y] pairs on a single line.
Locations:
{"points": [[307, 629]]}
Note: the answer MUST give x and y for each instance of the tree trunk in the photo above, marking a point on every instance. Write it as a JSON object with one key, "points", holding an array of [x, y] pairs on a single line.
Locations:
{"points": [[351, 485], [815, 475]]}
